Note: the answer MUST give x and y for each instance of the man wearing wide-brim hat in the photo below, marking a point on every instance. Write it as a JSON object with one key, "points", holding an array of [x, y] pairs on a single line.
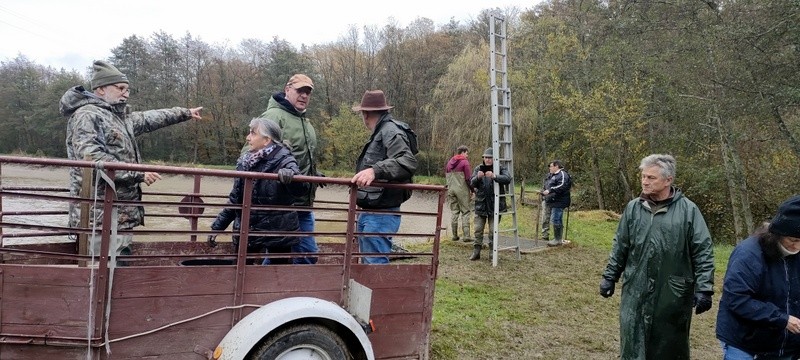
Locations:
{"points": [[387, 157]]}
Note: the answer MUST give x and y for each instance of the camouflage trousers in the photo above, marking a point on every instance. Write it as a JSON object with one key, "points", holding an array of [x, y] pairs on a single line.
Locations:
{"points": [[117, 244]]}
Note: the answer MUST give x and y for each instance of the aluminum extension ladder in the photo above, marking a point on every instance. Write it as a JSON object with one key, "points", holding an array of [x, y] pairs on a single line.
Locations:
{"points": [[502, 139]]}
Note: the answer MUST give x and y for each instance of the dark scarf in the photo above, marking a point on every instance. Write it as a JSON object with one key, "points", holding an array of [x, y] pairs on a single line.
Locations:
{"points": [[250, 159]]}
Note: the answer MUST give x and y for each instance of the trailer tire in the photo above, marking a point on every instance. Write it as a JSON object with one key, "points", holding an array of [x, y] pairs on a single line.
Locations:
{"points": [[305, 341]]}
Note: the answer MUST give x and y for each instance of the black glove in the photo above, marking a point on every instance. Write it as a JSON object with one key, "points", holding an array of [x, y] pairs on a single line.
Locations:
{"points": [[212, 240], [701, 302], [606, 288], [285, 176], [320, 185]]}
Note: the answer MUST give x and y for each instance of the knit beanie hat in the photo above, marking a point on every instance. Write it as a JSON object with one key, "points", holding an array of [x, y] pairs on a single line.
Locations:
{"points": [[787, 221], [487, 152], [104, 74]]}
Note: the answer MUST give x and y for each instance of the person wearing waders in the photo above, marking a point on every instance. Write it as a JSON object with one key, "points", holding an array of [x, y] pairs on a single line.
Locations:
{"points": [[457, 172]]}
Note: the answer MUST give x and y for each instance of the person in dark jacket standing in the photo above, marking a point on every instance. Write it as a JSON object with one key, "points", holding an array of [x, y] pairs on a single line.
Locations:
{"points": [[101, 127], [556, 198], [386, 157], [266, 154], [759, 313], [663, 251], [457, 173], [482, 180], [288, 109]]}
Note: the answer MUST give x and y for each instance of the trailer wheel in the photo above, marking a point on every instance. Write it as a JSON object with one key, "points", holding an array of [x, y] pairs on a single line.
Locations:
{"points": [[307, 341]]}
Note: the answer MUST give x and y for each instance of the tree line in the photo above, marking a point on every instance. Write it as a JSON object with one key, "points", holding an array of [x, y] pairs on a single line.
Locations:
{"points": [[597, 84]]}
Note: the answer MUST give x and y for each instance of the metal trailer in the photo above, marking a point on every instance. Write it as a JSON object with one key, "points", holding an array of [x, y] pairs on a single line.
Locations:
{"points": [[178, 298]]}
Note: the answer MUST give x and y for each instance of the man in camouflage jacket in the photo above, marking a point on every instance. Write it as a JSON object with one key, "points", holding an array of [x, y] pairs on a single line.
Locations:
{"points": [[100, 127]]}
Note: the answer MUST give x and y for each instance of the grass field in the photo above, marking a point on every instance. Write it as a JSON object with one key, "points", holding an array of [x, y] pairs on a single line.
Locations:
{"points": [[546, 305]]}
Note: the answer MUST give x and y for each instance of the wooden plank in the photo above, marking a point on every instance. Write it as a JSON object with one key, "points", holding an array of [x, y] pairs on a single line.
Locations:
{"points": [[135, 315], [389, 276], [172, 343], [266, 298], [389, 328], [406, 300], [45, 304], [46, 275], [136, 281], [279, 278], [77, 331], [16, 352]]}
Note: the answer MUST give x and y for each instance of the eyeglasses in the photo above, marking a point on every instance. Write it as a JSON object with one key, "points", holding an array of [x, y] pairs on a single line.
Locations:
{"points": [[122, 89], [487, 157], [303, 90]]}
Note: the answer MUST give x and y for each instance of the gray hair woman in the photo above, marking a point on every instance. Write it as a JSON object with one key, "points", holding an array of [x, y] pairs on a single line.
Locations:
{"points": [[266, 154]]}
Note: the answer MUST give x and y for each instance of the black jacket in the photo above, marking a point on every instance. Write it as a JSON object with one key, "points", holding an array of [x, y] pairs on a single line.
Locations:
{"points": [[484, 191], [388, 153], [559, 185], [266, 192]]}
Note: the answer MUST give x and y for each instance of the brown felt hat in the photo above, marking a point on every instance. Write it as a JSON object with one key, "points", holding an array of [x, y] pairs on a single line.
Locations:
{"points": [[373, 100]]}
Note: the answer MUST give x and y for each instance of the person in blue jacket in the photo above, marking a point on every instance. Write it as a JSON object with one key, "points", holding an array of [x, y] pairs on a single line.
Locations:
{"points": [[759, 312]]}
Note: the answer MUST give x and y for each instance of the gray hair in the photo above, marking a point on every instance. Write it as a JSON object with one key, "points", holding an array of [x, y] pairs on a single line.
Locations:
{"points": [[268, 128], [665, 162]]}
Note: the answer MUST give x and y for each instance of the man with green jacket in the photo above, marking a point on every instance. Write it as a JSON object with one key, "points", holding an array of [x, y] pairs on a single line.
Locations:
{"points": [[664, 253], [288, 109]]}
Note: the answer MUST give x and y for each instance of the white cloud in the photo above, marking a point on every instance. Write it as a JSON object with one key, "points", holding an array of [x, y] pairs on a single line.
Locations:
{"points": [[71, 34]]}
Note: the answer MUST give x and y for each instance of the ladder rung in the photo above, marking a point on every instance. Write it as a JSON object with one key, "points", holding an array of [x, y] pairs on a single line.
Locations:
{"points": [[506, 230], [507, 248]]}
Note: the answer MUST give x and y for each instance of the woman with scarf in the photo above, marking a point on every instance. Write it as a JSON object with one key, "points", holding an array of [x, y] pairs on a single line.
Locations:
{"points": [[266, 153]]}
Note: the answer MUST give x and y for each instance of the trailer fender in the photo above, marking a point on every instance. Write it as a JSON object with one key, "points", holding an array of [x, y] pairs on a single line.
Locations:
{"points": [[249, 331]]}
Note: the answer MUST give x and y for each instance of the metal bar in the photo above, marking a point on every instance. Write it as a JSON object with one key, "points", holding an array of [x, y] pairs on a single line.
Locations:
{"points": [[349, 242], [244, 228]]}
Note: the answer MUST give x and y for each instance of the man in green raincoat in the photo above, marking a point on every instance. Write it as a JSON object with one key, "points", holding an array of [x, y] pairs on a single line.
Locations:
{"points": [[663, 252]]}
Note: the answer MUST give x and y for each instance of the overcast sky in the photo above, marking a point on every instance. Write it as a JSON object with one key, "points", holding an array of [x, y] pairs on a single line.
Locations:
{"points": [[70, 34]]}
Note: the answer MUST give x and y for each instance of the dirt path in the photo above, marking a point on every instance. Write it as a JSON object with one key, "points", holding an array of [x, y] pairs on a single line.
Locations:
{"points": [[15, 175]]}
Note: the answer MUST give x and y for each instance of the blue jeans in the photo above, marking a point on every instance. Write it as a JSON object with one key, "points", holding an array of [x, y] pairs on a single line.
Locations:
{"points": [[732, 353], [307, 243], [556, 216], [377, 223]]}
